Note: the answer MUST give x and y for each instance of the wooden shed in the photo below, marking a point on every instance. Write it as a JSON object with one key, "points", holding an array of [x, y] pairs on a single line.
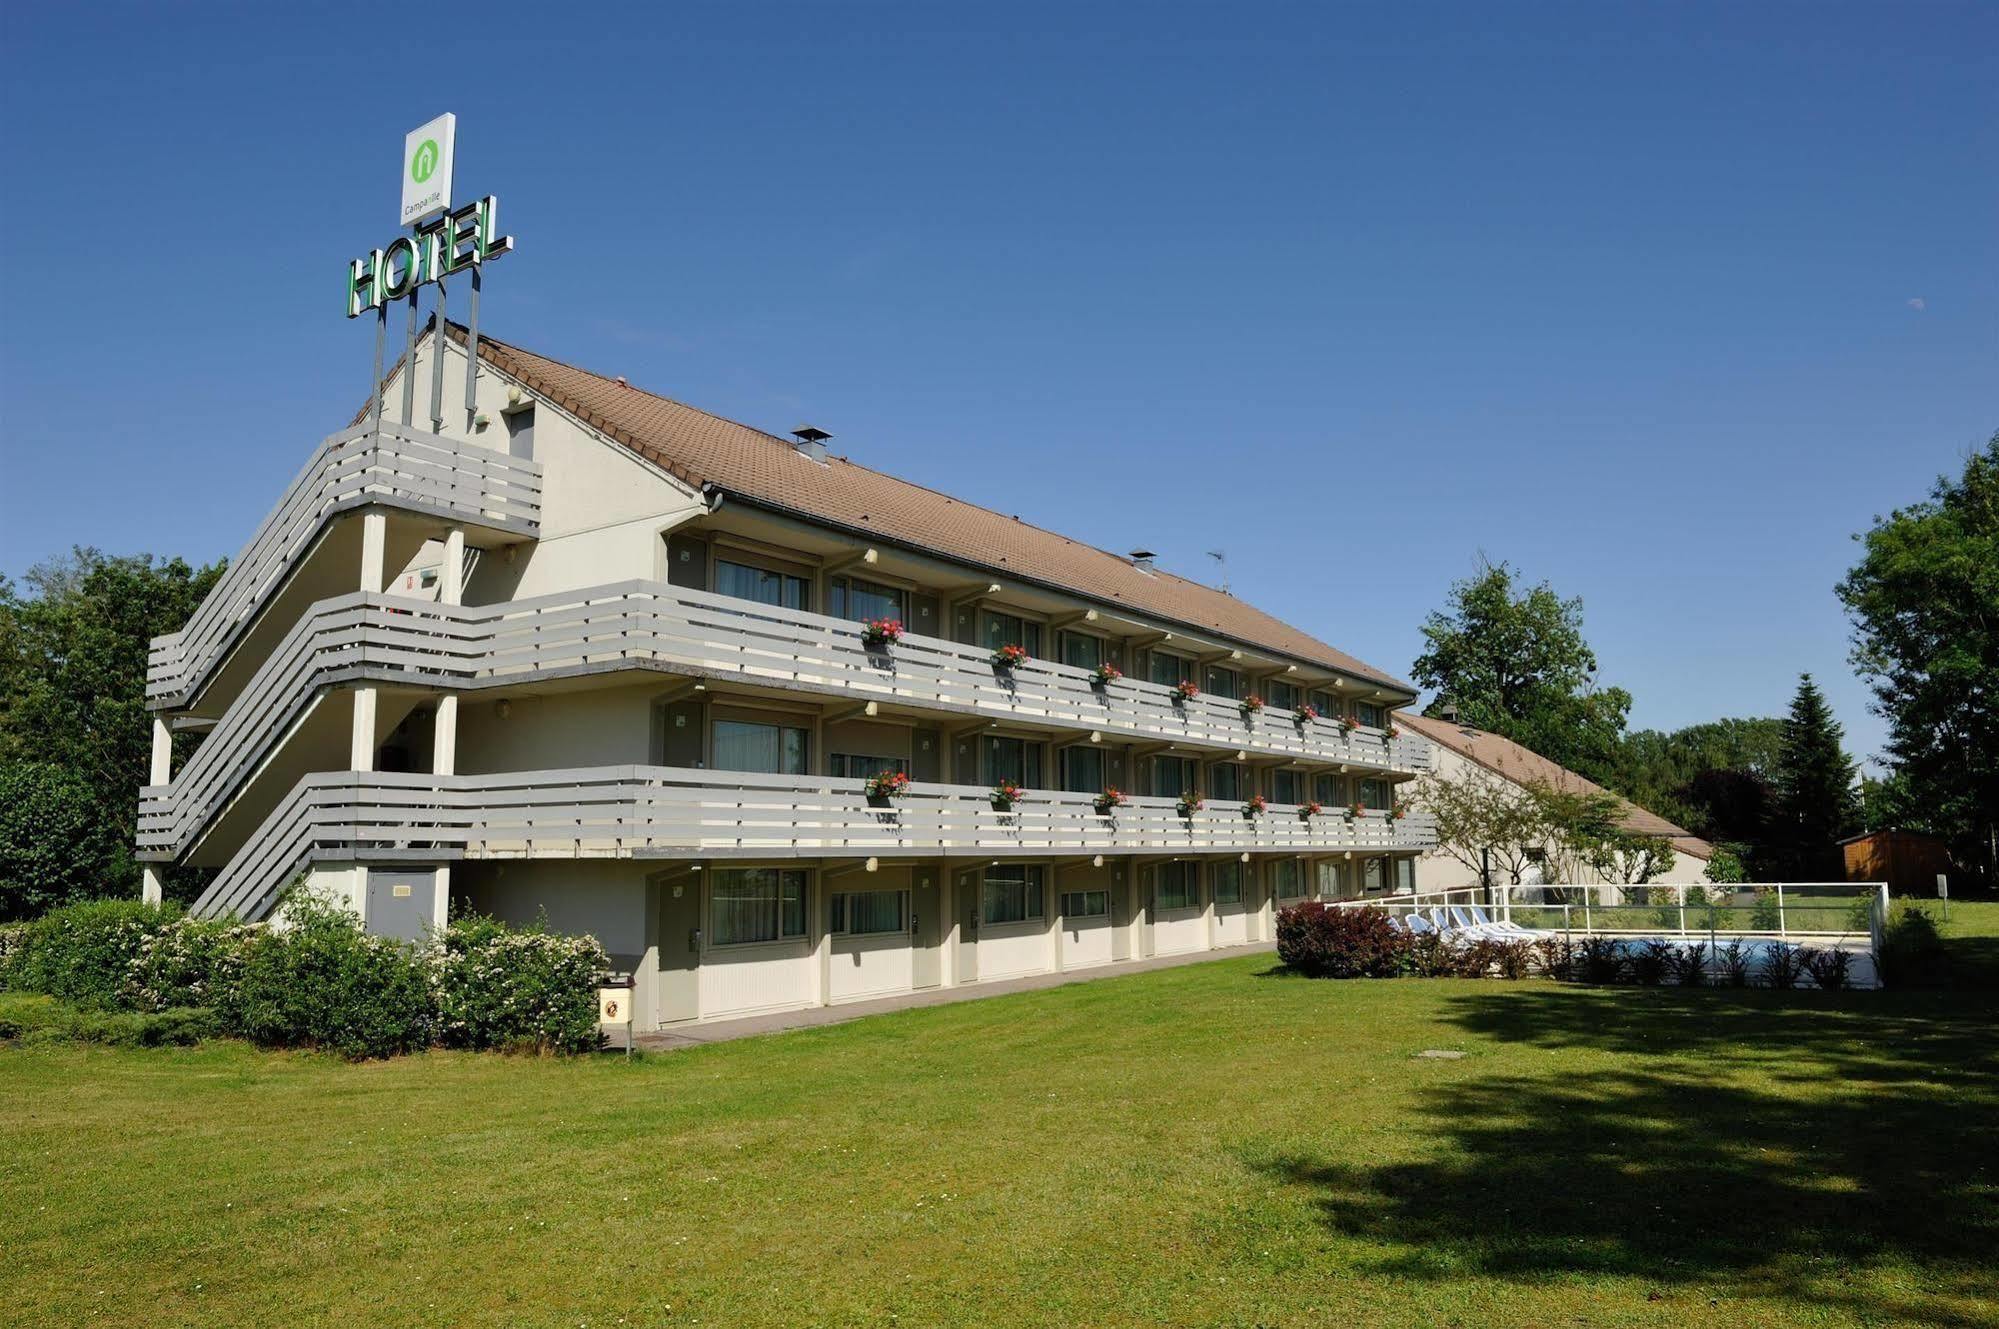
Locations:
{"points": [[1910, 863]]}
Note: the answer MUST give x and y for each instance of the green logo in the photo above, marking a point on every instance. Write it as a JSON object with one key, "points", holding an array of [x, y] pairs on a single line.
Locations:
{"points": [[423, 162]]}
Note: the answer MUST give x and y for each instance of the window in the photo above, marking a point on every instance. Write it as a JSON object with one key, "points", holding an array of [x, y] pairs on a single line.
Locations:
{"points": [[520, 433], [762, 585], [757, 904], [1168, 669], [1086, 904], [1225, 881], [1405, 875], [1225, 780], [1286, 787], [1370, 714], [770, 748], [1083, 769], [1178, 886], [1281, 694], [869, 913], [997, 630], [1011, 895], [1330, 887], [1082, 650], [1015, 759], [1326, 790], [1222, 682], [1371, 876], [855, 766], [852, 598], [1284, 876], [1172, 776], [1328, 704], [1374, 793]]}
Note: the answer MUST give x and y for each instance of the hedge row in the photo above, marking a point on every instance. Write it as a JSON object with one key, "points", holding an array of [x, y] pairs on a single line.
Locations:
{"points": [[317, 982]]}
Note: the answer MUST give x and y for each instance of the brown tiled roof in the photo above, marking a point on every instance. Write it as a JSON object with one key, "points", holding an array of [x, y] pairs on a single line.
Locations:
{"points": [[765, 470], [1504, 757]]}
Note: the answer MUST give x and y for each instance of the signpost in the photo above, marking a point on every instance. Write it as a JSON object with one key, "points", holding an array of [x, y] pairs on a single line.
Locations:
{"points": [[443, 241]]}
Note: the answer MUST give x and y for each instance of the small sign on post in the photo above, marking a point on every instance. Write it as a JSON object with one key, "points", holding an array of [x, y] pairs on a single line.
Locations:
{"points": [[1943, 893], [614, 1007]]}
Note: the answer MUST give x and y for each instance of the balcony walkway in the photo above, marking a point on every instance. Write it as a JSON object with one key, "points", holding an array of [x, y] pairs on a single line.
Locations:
{"points": [[694, 1034]]}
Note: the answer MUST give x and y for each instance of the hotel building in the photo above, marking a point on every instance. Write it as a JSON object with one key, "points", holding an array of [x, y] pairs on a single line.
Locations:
{"points": [[589, 653]]}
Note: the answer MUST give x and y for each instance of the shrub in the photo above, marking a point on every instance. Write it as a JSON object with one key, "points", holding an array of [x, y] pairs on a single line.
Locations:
{"points": [[322, 982], [1556, 954], [1783, 965], [517, 988], [1912, 951], [189, 962], [1340, 943], [1687, 965], [1732, 962], [1649, 961], [1514, 958], [1765, 916], [1829, 967], [43, 1020], [13, 940], [82, 953], [1431, 955], [1601, 960]]}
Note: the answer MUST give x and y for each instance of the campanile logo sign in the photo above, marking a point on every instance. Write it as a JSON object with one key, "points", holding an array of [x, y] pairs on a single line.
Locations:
{"points": [[427, 152]]}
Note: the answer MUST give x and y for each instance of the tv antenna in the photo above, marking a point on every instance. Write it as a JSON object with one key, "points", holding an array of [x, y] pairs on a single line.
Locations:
{"points": [[1221, 557]]}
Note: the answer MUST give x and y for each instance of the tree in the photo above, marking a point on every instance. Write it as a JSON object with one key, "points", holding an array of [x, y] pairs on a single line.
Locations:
{"points": [[1924, 601], [1517, 665], [1713, 778], [1814, 780], [1489, 824], [73, 697], [53, 843]]}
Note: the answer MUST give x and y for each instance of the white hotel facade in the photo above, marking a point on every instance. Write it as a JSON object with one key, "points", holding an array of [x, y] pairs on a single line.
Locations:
{"points": [[590, 653]]}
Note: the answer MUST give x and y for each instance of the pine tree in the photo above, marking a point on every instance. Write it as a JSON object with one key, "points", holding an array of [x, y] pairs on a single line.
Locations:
{"points": [[1816, 802]]}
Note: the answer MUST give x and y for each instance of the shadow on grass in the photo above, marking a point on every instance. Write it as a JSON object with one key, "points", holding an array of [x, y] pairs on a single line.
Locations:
{"points": [[1762, 1145]]}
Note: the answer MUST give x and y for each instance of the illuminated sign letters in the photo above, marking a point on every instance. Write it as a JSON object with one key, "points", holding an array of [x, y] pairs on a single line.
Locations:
{"points": [[450, 243]]}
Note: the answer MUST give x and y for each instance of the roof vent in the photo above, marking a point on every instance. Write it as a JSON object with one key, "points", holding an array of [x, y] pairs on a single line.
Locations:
{"points": [[1142, 559], [811, 442]]}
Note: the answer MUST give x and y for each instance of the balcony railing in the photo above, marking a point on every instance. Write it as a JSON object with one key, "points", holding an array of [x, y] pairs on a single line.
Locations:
{"points": [[650, 625], [391, 465], [664, 812]]}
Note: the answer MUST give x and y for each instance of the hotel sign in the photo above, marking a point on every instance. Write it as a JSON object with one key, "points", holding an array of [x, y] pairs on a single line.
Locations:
{"points": [[458, 240]]}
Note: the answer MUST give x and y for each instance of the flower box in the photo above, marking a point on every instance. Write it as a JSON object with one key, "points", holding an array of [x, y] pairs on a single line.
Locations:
{"points": [[884, 786], [1305, 714], [1184, 691], [878, 634], [1348, 724], [1109, 801], [1355, 812], [1105, 674], [1250, 705], [1188, 805], [1253, 806], [1008, 656], [1005, 794], [1308, 810]]}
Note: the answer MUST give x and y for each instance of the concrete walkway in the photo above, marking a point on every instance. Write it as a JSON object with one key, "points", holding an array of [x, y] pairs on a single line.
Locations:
{"points": [[749, 1026]]}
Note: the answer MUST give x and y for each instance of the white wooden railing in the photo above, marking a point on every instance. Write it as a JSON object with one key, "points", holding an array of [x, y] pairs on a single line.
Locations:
{"points": [[664, 812], [651, 625], [392, 465]]}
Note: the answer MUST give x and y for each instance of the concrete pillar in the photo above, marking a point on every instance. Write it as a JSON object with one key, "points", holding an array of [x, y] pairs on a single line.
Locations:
{"points": [[1203, 876], [450, 591], [151, 886], [374, 549], [451, 577], [361, 750]]}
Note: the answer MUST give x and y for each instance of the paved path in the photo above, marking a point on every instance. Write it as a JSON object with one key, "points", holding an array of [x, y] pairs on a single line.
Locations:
{"points": [[749, 1026]]}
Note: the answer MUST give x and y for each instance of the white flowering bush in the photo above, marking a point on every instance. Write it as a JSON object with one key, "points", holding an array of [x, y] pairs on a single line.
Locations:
{"points": [[189, 962], [517, 988], [13, 940]]}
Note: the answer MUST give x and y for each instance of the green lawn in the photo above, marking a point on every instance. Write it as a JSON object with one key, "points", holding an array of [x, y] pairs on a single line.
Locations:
{"points": [[1206, 1145]]}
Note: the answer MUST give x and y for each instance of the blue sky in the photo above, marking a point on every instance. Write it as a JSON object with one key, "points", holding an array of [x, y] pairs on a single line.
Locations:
{"points": [[1659, 303]]}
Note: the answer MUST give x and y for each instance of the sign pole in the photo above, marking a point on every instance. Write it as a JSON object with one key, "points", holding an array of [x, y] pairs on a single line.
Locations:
{"points": [[472, 350], [375, 388], [409, 364], [437, 366]]}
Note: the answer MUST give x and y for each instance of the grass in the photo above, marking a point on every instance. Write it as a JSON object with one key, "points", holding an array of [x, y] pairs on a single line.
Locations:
{"points": [[1208, 1145]]}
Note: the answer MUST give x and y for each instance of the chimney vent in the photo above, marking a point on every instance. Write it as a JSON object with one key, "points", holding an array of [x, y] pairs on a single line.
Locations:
{"points": [[1142, 559], [811, 442]]}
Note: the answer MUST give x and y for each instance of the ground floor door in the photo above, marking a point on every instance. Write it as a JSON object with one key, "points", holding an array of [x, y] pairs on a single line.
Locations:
{"points": [[402, 905], [679, 948], [967, 903], [928, 926]]}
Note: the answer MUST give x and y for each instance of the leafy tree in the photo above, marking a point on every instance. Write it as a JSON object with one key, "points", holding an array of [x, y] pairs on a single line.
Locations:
{"points": [[53, 844], [1713, 778], [1484, 822], [1726, 866], [1515, 664], [1814, 779], [1924, 600], [73, 697]]}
